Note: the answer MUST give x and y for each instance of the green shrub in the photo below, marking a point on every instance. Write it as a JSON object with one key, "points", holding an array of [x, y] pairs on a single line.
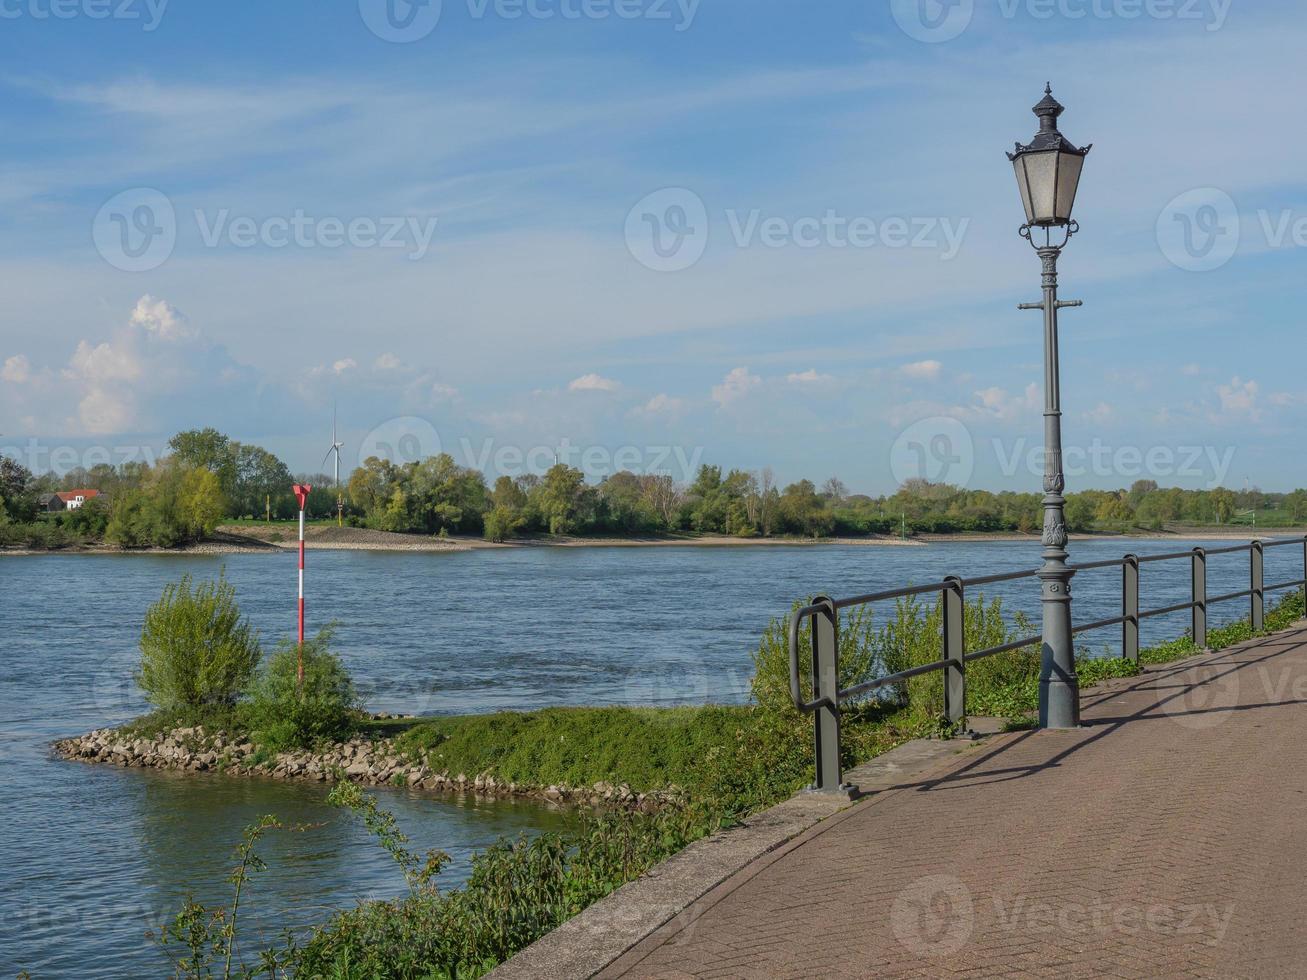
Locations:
{"points": [[175, 505], [502, 523], [285, 713], [39, 535], [518, 891], [89, 520], [196, 650]]}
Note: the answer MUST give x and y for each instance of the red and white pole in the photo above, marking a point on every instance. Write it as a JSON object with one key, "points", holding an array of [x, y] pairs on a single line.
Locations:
{"points": [[302, 495]]}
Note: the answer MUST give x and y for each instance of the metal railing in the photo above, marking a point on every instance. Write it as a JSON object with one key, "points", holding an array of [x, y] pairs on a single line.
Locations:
{"points": [[823, 612]]}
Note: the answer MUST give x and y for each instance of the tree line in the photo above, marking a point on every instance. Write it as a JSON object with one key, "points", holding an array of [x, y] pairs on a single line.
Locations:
{"points": [[204, 478], [207, 477], [437, 496]]}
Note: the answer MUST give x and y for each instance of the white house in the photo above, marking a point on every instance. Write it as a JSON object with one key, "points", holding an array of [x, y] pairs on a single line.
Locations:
{"points": [[73, 499]]}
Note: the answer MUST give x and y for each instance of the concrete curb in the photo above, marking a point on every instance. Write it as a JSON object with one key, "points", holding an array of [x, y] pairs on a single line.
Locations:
{"points": [[586, 944]]}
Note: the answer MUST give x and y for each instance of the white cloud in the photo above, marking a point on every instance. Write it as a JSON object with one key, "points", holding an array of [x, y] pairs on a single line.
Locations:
{"points": [[808, 377], [101, 379], [660, 404], [386, 362], [593, 382], [443, 392], [1191, 370], [737, 383], [103, 411], [999, 403], [1100, 414], [152, 370], [16, 370], [161, 319], [921, 370], [345, 364], [104, 362], [1239, 398]]}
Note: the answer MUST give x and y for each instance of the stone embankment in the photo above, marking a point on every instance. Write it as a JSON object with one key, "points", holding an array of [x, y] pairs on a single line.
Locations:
{"points": [[370, 762]]}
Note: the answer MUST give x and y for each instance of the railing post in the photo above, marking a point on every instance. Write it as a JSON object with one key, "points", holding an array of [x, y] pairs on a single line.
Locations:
{"points": [[1256, 563], [955, 674], [1199, 598], [825, 688], [1130, 609]]}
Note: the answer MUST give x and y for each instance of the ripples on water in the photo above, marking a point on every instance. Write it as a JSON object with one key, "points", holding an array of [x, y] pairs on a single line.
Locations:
{"points": [[95, 856]]}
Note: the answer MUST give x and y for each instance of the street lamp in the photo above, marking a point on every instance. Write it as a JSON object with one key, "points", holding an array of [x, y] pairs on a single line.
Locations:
{"points": [[1048, 173]]}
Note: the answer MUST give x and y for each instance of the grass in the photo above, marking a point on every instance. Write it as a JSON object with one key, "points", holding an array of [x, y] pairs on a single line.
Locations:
{"points": [[645, 748]]}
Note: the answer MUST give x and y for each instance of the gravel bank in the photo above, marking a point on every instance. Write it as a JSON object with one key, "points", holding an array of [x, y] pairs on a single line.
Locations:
{"points": [[371, 762]]}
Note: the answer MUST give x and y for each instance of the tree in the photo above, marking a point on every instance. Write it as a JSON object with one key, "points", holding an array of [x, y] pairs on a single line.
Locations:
{"points": [[1296, 503], [1224, 502], [720, 505], [803, 511], [663, 497], [174, 505], [502, 523], [559, 498], [287, 712], [1141, 489], [260, 478], [200, 503], [196, 649], [768, 499], [1080, 511], [89, 520], [16, 492], [623, 498], [207, 449], [1114, 509], [834, 490], [372, 485], [508, 493]]}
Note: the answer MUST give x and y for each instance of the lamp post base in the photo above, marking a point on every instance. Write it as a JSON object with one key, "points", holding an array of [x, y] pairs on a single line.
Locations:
{"points": [[1059, 703]]}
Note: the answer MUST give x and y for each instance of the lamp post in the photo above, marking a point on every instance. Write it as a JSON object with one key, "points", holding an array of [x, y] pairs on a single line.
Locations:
{"points": [[1048, 173]]}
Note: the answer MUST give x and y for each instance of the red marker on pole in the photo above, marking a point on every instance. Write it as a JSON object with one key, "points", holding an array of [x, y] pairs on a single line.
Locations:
{"points": [[302, 495]]}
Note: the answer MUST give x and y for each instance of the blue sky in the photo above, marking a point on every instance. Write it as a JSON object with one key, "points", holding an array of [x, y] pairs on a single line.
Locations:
{"points": [[239, 215]]}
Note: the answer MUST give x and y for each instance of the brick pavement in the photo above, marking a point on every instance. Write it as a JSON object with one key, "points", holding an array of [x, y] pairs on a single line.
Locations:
{"points": [[1168, 837]]}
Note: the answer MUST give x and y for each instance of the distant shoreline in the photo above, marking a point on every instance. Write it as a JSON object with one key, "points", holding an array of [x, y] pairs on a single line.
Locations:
{"points": [[273, 539]]}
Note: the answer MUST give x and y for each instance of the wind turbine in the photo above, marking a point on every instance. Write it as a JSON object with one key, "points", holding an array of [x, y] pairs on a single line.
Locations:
{"points": [[336, 447]]}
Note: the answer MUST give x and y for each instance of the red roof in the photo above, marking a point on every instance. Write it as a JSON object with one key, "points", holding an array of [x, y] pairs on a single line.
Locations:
{"points": [[69, 495]]}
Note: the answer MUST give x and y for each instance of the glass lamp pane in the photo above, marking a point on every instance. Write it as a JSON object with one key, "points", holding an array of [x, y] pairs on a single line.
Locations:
{"points": [[1068, 178], [1041, 172], [1023, 185]]}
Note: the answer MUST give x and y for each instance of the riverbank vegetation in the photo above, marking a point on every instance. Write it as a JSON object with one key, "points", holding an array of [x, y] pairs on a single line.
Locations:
{"points": [[207, 478], [715, 764]]}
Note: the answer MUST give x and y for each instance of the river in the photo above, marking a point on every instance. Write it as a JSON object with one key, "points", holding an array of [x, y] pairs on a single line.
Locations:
{"points": [[95, 856]]}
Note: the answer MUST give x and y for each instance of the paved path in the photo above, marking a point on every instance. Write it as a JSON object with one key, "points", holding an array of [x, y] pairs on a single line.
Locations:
{"points": [[1168, 837]]}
